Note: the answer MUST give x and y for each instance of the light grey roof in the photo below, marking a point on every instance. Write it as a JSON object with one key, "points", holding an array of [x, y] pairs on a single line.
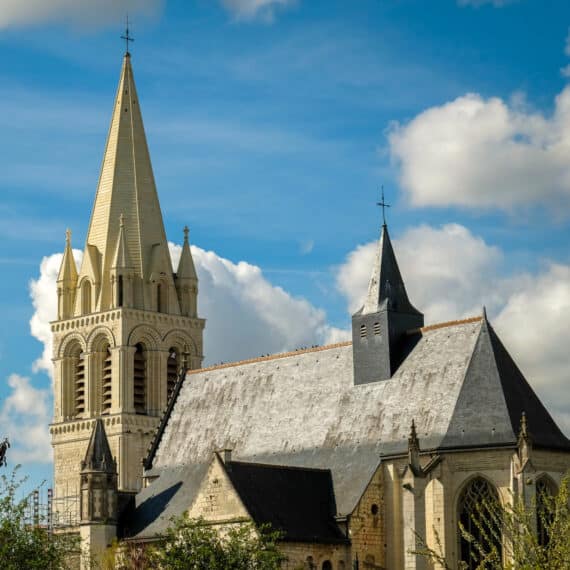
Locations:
{"points": [[303, 409]]}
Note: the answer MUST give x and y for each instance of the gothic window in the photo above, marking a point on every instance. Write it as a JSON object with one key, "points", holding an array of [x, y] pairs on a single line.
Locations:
{"points": [[86, 298], [327, 565], [139, 380], [478, 516], [172, 369], [106, 382], [79, 384], [363, 331], [545, 491]]}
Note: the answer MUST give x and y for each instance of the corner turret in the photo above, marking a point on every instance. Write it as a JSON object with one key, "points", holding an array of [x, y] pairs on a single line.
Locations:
{"points": [[187, 280], [380, 327], [66, 281]]}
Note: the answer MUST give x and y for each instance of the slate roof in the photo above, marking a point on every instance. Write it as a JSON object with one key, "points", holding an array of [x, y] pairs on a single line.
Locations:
{"points": [[302, 409], [300, 502], [98, 456]]}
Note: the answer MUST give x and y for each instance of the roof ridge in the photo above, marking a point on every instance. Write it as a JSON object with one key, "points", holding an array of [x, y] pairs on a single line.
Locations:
{"points": [[449, 324], [270, 357], [321, 348]]}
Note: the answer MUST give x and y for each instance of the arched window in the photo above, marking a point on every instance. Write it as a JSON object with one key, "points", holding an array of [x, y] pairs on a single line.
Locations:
{"points": [[79, 384], [120, 291], [478, 513], [139, 380], [86, 297], [106, 382], [327, 565], [172, 369], [545, 492]]}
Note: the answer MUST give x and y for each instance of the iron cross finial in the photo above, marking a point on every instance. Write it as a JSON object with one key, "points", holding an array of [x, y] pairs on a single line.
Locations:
{"points": [[127, 37], [383, 205], [186, 232]]}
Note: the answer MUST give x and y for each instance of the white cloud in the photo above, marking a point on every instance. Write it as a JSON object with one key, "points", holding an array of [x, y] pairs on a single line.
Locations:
{"points": [[485, 153], [252, 9], [450, 274], [77, 12], [24, 419]]}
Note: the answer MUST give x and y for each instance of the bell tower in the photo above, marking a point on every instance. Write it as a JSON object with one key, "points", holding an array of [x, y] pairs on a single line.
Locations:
{"points": [[124, 319]]}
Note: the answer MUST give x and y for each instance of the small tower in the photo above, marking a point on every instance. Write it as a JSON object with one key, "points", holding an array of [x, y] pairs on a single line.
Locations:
{"points": [[66, 281], [187, 280], [98, 508], [379, 328]]}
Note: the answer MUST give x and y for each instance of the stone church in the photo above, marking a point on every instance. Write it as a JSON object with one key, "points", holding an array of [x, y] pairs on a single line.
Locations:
{"points": [[348, 449]]}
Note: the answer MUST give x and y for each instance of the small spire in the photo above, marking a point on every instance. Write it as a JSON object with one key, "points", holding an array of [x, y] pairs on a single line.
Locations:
{"points": [[524, 426], [186, 269], [414, 451], [68, 270], [413, 439], [122, 258], [98, 456]]}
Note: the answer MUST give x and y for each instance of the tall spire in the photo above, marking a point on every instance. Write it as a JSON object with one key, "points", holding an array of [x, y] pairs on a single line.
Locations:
{"points": [[126, 186], [386, 289]]}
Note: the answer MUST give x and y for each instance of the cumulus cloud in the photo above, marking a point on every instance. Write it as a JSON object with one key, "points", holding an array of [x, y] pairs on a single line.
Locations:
{"points": [[252, 9], [76, 12], [451, 273], [24, 418], [485, 153]]}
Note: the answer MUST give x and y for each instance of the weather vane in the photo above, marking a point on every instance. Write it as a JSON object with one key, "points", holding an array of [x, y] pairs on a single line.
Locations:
{"points": [[127, 37], [383, 205]]}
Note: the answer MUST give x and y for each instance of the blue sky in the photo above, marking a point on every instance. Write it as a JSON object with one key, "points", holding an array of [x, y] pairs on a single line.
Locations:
{"points": [[271, 126]]}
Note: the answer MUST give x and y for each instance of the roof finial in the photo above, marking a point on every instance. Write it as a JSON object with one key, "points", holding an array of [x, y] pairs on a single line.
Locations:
{"points": [[67, 236], [383, 205], [186, 232], [122, 220], [127, 37], [524, 426]]}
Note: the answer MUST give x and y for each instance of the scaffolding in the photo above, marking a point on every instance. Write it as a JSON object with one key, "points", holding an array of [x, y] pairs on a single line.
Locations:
{"points": [[52, 514]]}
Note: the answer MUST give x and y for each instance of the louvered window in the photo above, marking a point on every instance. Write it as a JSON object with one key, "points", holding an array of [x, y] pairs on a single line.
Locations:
{"points": [[139, 380], [107, 383], [80, 385], [363, 331], [171, 371], [376, 328]]}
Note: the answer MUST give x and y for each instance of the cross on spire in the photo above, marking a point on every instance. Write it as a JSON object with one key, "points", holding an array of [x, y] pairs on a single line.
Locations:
{"points": [[127, 37], [383, 205]]}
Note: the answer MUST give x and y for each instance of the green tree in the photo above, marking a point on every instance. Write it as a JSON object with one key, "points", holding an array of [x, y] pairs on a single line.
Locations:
{"points": [[195, 545], [516, 524], [24, 545]]}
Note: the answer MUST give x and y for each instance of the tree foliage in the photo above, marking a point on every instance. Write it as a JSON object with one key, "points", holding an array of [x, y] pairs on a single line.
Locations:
{"points": [[514, 525], [196, 545], [24, 545]]}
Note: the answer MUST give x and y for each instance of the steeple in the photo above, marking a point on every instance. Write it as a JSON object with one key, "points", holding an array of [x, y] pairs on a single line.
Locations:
{"points": [[379, 328], [386, 289], [66, 281], [187, 280], [126, 186], [121, 259]]}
